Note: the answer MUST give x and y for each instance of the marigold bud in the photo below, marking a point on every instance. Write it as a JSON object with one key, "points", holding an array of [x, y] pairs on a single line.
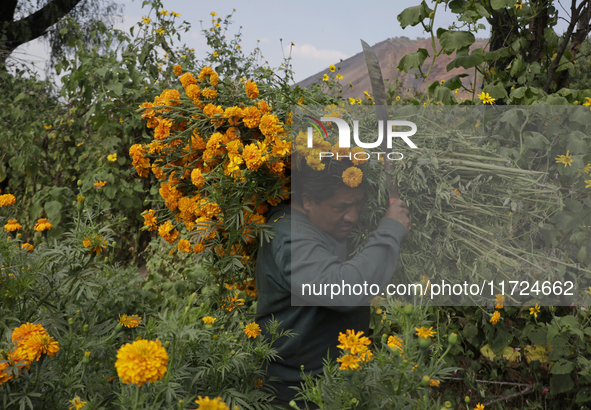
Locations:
{"points": [[424, 343], [453, 338], [426, 380], [70, 321], [407, 310], [85, 329]]}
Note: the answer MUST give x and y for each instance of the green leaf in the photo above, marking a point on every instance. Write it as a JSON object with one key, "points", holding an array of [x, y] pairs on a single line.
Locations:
{"points": [[414, 15], [453, 40], [535, 140], [110, 191], [413, 60], [501, 4], [117, 88], [53, 209], [562, 367], [576, 143], [445, 95], [466, 60]]}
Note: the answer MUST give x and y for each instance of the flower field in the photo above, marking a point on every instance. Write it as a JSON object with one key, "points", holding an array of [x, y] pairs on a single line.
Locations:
{"points": [[133, 206]]}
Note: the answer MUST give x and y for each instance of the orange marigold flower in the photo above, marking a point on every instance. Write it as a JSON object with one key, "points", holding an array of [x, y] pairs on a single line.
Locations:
{"points": [[184, 246], [39, 344], [27, 247], [150, 220], [141, 362], [252, 330], [358, 156], [197, 178], [12, 225], [208, 320], [168, 95], [141, 163], [214, 79], [178, 70], [232, 303], [43, 225], [95, 243], [130, 321], [495, 317], [499, 301], [252, 157], [349, 362], [99, 184], [209, 93], [7, 200], [167, 231], [205, 71], [162, 130], [198, 248], [23, 332], [252, 91], [193, 91], [270, 125], [211, 404], [394, 342], [252, 117], [352, 176], [264, 107]]}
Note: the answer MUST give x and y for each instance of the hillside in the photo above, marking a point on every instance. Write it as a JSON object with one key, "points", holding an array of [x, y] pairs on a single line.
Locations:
{"points": [[389, 52]]}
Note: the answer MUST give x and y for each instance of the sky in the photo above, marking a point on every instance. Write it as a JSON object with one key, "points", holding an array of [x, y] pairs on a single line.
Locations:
{"points": [[323, 31]]}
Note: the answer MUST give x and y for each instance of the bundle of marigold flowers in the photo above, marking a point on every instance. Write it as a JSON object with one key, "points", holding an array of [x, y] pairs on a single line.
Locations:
{"points": [[220, 154]]}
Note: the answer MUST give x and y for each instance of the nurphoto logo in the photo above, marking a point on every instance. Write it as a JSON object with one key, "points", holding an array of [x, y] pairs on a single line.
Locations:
{"points": [[345, 137]]}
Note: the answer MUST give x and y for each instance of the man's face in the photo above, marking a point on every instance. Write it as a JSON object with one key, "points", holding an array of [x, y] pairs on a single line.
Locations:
{"points": [[338, 214]]}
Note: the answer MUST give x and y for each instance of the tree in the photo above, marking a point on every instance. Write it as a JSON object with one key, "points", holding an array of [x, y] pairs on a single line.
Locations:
{"points": [[23, 21]]}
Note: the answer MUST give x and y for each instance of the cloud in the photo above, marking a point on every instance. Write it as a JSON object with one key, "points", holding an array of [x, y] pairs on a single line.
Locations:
{"points": [[311, 52]]}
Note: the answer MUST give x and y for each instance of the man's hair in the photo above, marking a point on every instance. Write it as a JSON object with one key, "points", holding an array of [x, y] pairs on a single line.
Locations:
{"points": [[320, 185]]}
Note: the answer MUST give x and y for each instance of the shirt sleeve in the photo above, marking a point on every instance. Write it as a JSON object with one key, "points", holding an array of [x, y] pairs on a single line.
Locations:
{"points": [[318, 277]]}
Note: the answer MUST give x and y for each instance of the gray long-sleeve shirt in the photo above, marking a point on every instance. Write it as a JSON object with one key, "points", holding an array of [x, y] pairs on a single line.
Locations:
{"points": [[300, 253]]}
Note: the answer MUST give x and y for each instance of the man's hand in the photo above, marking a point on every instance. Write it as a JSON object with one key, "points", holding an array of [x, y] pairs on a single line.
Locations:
{"points": [[399, 212]]}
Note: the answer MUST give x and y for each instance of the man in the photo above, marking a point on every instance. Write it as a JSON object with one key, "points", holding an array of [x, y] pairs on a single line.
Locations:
{"points": [[310, 248]]}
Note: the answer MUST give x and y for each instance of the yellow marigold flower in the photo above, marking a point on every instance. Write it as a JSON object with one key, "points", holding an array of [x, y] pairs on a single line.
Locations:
{"points": [[252, 157], [251, 117], [479, 407], [534, 311], [146, 20], [209, 93], [394, 342], [495, 317], [47, 127], [486, 98], [270, 125], [112, 157], [23, 332], [252, 330], [434, 383], [358, 156], [197, 178], [349, 362], [339, 77], [167, 231], [7, 200], [184, 246], [130, 321], [354, 342], [77, 404], [43, 225], [352, 176], [211, 404], [325, 77], [95, 243], [150, 220], [12, 226], [424, 332], [209, 320], [27, 247], [565, 159], [499, 301], [39, 344], [252, 91], [160, 31], [141, 362], [352, 101], [99, 184]]}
